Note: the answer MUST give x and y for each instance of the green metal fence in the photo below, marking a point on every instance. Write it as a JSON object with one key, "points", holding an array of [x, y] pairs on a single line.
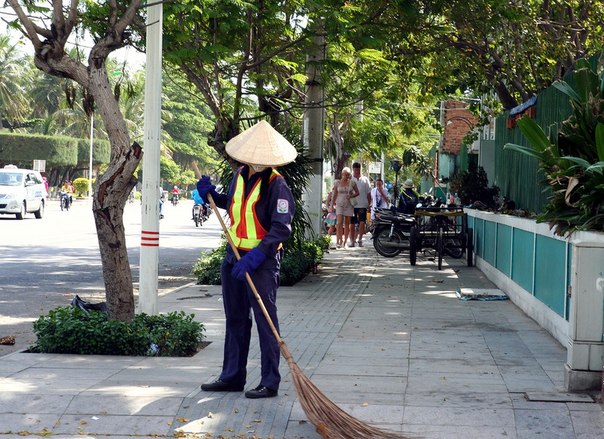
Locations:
{"points": [[517, 175]]}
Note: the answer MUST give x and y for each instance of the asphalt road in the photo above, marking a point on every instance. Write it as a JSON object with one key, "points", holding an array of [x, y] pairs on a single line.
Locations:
{"points": [[44, 263]]}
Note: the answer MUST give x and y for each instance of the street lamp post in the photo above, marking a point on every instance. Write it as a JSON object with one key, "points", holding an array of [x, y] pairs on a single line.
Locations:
{"points": [[90, 158], [149, 251], [395, 164]]}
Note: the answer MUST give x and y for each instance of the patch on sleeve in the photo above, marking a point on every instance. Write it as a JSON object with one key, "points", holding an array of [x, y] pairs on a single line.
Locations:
{"points": [[282, 206]]}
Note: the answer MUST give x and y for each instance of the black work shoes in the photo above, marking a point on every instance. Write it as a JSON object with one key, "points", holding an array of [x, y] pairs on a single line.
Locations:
{"points": [[261, 392], [221, 386]]}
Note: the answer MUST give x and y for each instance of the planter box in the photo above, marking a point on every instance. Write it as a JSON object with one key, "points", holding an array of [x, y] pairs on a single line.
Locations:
{"points": [[559, 282]]}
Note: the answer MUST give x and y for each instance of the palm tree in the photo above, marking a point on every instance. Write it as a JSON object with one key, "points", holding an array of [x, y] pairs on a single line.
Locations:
{"points": [[13, 101], [132, 103], [47, 94]]}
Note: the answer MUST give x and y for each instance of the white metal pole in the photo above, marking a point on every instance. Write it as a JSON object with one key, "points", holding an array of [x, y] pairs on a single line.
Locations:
{"points": [[149, 252], [313, 132], [90, 158]]}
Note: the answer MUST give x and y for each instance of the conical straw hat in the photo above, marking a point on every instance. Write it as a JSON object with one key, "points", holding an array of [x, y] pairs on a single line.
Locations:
{"points": [[261, 145], [408, 183]]}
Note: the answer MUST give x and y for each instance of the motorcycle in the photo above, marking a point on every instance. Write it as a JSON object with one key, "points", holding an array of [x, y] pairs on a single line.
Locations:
{"points": [[205, 212], [65, 200], [452, 242], [174, 199], [198, 216], [391, 231], [201, 213]]}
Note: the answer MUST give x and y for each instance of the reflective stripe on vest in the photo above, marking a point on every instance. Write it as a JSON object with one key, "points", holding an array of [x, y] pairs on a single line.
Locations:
{"points": [[246, 230]]}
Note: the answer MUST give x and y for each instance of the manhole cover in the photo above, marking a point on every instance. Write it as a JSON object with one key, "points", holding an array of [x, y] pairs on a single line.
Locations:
{"points": [[557, 397]]}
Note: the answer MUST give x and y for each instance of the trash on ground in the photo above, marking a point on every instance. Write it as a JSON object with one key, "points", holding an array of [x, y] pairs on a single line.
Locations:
{"points": [[480, 294], [86, 306], [8, 340]]}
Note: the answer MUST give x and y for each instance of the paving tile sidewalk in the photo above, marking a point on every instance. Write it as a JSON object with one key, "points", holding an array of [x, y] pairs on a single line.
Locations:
{"points": [[389, 343]]}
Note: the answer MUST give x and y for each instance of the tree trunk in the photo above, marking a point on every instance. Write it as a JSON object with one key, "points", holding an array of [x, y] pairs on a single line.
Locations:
{"points": [[110, 197], [114, 186]]}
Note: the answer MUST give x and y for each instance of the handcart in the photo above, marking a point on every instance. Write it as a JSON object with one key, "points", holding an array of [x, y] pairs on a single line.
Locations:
{"points": [[443, 229]]}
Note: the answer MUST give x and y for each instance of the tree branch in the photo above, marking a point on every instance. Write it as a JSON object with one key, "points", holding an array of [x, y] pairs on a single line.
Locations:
{"points": [[31, 30], [72, 17], [115, 37]]}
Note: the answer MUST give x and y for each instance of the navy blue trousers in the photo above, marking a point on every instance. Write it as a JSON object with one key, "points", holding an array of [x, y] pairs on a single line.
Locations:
{"points": [[239, 302]]}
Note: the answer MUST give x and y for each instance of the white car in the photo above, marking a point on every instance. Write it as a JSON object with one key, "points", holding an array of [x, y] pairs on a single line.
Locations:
{"points": [[21, 191]]}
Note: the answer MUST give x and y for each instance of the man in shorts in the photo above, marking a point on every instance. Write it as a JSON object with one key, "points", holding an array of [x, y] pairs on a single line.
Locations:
{"points": [[360, 210]]}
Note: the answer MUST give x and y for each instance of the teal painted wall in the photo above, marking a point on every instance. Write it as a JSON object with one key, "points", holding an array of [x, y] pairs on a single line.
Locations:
{"points": [[504, 249], [550, 273], [522, 259], [478, 236], [471, 223], [490, 242], [538, 264]]}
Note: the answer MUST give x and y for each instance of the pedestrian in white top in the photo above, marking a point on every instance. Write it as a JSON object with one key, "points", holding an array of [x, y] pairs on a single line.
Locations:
{"points": [[380, 198], [363, 203]]}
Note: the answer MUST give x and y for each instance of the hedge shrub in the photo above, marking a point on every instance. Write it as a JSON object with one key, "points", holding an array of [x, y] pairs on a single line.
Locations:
{"points": [[56, 150], [70, 330], [296, 264]]}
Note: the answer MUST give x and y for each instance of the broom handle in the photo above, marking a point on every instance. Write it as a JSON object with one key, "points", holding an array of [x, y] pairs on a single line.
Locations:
{"points": [[247, 275]]}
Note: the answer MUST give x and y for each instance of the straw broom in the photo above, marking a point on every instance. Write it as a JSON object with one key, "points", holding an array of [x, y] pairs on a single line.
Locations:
{"points": [[330, 421]]}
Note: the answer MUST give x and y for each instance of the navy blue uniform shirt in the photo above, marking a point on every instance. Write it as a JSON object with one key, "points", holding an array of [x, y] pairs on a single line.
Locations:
{"points": [[275, 209]]}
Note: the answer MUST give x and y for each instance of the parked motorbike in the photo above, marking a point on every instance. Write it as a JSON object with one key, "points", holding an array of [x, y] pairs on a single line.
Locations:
{"points": [[65, 200], [452, 245], [391, 231]]}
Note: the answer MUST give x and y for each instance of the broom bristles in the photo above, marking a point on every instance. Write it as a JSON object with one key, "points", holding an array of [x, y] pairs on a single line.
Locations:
{"points": [[330, 420]]}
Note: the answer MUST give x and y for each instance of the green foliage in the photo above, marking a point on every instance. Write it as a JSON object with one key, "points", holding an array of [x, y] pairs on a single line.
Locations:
{"points": [[187, 178], [169, 171], [174, 334], [482, 45], [207, 267], [242, 57], [101, 152], [80, 186], [296, 263], [189, 124], [69, 330], [472, 186], [56, 150], [13, 101], [574, 165]]}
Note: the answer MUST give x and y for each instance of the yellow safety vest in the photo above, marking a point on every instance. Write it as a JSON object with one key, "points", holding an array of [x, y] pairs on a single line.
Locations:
{"points": [[246, 230]]}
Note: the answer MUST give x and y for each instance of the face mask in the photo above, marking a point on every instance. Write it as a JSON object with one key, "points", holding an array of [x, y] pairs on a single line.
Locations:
{"points": [[258, 168]]}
